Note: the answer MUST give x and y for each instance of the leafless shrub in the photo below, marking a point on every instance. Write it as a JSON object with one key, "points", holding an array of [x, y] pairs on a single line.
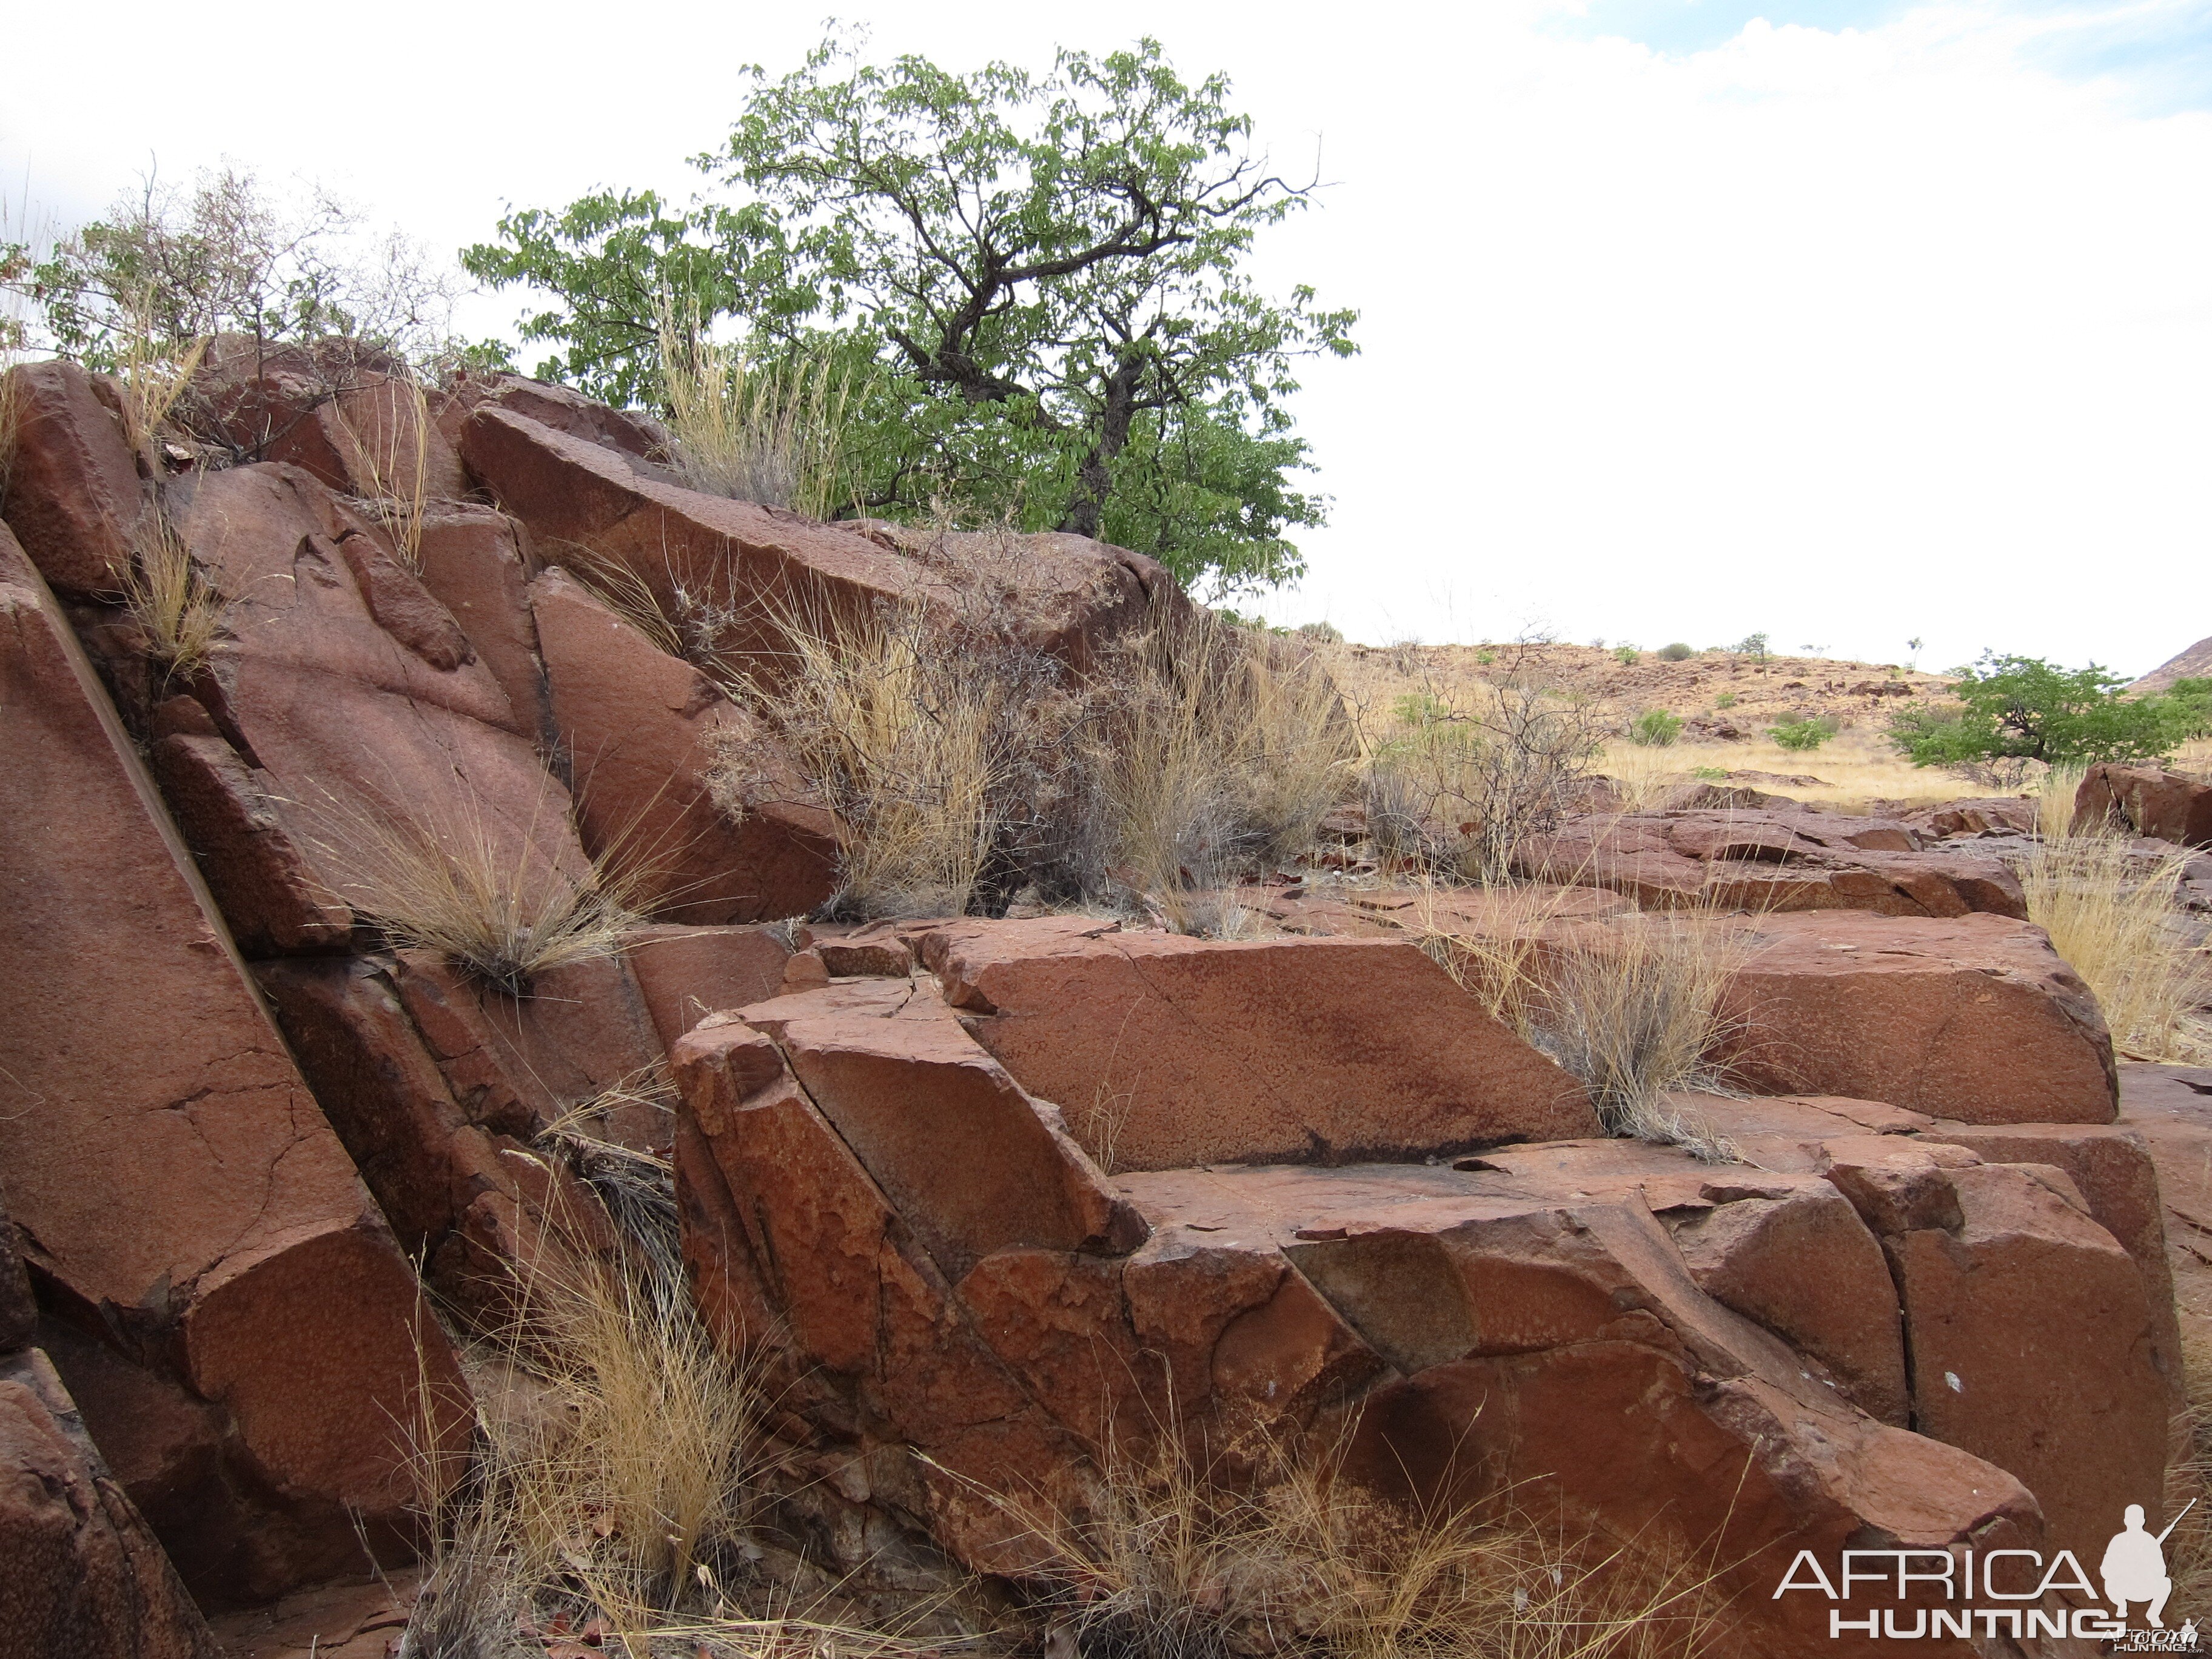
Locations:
{"points": [[1467, 775]]}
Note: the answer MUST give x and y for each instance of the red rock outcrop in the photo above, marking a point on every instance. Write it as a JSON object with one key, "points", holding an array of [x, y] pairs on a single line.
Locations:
{"points": [[642, 730], [74, 495], [477, 563], [856, 1173], [82, 1573], [687, 973], [1771, 861], [342, 410], [1323, 1049], [1974, 1018], [152, 1081], [2164, 805]]}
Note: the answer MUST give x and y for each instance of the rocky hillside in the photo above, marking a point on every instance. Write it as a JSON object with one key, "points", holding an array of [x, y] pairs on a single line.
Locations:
{"points": [[354, 1082]]}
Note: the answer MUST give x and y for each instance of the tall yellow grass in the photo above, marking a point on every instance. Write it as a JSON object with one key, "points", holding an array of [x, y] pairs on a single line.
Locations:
{"points": [[487, 898], [772, 433], [1634, 1006], [2110, 911], [180, 611], [1217, 752], [392, 457]]}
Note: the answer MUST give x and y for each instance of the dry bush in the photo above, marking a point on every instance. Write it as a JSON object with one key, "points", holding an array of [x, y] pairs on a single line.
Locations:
{"points": [[2188, 1553], [1633, 1005], [493, 905], [1469, 774], [772, 433], [179, 610], [1165, 1562], [940, 742], [2111, 913], [393, 458], [1217, 752]]}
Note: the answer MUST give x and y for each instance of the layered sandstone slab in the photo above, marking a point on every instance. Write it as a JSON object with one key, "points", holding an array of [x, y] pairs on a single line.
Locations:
{"points": [[582, 500], [74, 499], [1974, 1018], [148, 1080], [1771, 861], [643, 732], [872, 1200], [1166, 1051]]}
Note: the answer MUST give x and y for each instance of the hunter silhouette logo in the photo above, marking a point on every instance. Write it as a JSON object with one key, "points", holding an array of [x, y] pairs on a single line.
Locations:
{"points": [[2134, 1567]]}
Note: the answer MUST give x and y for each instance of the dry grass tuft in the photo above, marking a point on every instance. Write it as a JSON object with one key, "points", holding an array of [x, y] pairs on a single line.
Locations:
{"points": [[492, 905], [938, 748], [2110, 911], [1217, 753], [393, 459], [1165, 1562], [772, 433], [1634, 1006], [179, 610]]}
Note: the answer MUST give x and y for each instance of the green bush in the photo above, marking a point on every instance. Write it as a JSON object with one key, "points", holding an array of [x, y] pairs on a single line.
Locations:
{"points": [[2018, 709], [1803, 734], [1654, 728], [1485, 658], [1726, 700], [1625, 654], [1321, 633], [1677, 652], [1711, 774], [1751, 645]]}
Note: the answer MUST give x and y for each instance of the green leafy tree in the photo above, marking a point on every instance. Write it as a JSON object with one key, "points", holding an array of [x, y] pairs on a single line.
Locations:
{"points": [[1803, 735], [2012, 708], [1656, 728], [1046, 271]]}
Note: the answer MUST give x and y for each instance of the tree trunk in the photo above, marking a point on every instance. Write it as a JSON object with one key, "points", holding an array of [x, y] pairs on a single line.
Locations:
{"points": [[1094, 477]]}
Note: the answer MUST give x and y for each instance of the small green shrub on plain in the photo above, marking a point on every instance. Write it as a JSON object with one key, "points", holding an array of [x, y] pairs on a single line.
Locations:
{"points": [[1726, 700], [1678, 652], [1803, 735], [1751, 645], [1656, 728], [1710, 774], [1321, 633], [1625, 654]]}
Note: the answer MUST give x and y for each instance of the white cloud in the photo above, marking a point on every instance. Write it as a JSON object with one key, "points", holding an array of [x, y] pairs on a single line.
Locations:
{"points": [[1848, 337]]}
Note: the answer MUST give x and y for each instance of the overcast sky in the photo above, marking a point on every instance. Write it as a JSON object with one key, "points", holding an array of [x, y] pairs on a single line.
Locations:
{"points": [[1845, 322]]}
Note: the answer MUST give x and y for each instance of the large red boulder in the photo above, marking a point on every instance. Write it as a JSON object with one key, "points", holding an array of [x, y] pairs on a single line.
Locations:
{"points": [[2162, 805], [642, 731], [83, 1574], [685, 549], [372, 731], [150, 1083], [1974, 1018], [73, 495], [1165, 1050], [477, 563]]}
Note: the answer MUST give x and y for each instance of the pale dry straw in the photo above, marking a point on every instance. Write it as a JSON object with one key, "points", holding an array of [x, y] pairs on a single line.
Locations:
{"points": [[768, 432], [1161, 1559], [2112, 912], [485, 896], [392, 457], [174, 602], [1217, 753]]}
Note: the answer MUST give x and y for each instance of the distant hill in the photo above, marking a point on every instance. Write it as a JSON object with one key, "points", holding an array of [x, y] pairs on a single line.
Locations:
{"points": [[2192, 663]]}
